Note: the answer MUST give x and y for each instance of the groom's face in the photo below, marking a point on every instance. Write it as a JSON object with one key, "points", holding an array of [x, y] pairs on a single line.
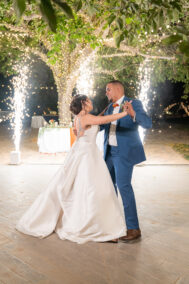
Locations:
{"points": [[111, 92]]}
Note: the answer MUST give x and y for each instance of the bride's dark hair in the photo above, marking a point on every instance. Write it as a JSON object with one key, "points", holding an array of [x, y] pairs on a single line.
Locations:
{"points": [[76, 103]]}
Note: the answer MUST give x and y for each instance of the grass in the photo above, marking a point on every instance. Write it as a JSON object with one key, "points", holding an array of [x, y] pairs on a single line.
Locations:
{"points": [[182, 149]]}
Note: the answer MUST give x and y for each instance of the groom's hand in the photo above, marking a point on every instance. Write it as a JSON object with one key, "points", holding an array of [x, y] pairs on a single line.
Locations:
{"points": [[129, 109]]}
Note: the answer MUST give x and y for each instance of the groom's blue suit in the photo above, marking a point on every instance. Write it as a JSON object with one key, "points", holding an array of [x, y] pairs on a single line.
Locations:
{"points": [[129, 151]]}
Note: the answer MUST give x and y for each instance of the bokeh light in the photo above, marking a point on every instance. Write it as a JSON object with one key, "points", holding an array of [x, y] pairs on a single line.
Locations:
{"points": [[85, 81]]}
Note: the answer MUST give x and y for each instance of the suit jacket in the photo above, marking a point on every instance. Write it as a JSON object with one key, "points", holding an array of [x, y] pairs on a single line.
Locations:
{"points": [[129, 143]]}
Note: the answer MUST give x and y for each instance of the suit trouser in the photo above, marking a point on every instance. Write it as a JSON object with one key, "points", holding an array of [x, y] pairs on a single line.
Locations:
{"points": [[121, 173]]}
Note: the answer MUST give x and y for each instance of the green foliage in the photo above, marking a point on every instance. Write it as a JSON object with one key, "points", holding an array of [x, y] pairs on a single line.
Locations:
{"points": [[126, 68], [46, 8], [78, 5], [142, 17], [180, 39], [184, 47], [182, 149], [9, 55], [152, 27], [129, 21], [172, 39], [66, 8], [175, 71], [118, 37], [19, 6], [123, 68], [48, 13], [71, 29], [73, 32]]}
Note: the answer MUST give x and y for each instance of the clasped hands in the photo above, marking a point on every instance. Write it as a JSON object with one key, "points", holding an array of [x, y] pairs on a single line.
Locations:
{"points": [[127, 107]]}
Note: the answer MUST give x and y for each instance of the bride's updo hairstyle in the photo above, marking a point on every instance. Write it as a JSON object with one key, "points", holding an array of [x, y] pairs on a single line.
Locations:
{"points": [[77, 102]]}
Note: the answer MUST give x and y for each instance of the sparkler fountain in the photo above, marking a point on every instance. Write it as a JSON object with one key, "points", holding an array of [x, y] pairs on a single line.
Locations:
{"points": [[145, 71], [19, 84]]}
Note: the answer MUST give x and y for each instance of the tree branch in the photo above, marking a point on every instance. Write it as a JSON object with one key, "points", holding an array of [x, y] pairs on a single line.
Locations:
{"points": [[16, 29], [185, 108], [31, 17], [132, 51], [107, 72]]}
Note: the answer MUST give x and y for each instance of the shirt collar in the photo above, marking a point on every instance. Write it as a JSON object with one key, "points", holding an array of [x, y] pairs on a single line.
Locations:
{"points": [[120, 100]]}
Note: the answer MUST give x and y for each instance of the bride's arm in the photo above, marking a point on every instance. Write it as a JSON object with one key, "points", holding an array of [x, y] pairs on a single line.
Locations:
{"points": [[90, 119]]}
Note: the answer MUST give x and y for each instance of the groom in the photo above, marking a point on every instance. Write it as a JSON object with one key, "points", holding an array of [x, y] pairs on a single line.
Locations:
{"points": [[123, 149]]}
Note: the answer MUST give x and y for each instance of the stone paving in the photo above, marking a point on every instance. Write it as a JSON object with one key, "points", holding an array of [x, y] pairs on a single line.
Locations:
{"points": [[161, 189], [160, 257]]}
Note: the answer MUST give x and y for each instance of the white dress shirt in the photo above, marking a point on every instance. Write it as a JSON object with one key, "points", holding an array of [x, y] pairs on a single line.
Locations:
{"points": [[112, 133]]}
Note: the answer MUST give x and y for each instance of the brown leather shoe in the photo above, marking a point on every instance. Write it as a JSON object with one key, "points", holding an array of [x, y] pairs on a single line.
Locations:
{"points": [[132, 234]]}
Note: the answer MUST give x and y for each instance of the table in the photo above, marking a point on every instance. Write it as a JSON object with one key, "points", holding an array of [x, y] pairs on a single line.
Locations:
{"points": [[55, 139], [59, 139], [48, 117], [38, 121]]}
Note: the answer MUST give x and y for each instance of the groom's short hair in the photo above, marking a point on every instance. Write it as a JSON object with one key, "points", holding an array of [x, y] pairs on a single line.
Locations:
{"points": [[116, 82]]}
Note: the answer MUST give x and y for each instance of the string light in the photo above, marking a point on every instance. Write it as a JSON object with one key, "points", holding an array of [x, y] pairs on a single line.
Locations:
{"points": [[65, 69], [85, 80]]}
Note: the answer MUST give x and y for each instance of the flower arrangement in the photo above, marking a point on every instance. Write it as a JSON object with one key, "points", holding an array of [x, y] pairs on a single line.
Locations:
{"points": [[52, 122], [48, 126]]}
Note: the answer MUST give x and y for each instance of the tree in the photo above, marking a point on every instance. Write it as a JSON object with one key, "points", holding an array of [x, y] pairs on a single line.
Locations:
{"points": [[136, 27], [62, 51], [129, 21], [112, 64]]}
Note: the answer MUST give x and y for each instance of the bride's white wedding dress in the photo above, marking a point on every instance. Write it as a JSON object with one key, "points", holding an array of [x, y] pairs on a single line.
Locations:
{"points": [[80, 203]]}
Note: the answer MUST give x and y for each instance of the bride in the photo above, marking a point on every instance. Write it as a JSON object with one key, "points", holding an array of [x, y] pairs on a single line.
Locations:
{"points": [[80, 203]]}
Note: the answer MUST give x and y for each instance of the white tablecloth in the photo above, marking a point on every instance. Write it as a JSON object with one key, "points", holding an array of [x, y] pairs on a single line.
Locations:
{"points": [[56, 139], [53, 140], [38, 121]]}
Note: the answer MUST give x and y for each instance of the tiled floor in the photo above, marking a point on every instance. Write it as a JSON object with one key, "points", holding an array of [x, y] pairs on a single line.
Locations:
{"points": [[160, 257]]}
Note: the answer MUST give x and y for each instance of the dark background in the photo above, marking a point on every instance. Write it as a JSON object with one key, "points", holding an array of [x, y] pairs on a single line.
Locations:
{"points": [[42, 95]]}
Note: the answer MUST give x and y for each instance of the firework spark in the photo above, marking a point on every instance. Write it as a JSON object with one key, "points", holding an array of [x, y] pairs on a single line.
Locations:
{"points": [[145, 71], [18, 104]]}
